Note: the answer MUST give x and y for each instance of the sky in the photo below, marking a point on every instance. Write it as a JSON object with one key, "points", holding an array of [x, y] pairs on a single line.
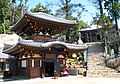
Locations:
{"points": [[86, 16]]}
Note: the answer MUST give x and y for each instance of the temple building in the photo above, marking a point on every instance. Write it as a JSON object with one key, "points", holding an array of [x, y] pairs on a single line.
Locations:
{"points": [[40, 52], [91, 34]]}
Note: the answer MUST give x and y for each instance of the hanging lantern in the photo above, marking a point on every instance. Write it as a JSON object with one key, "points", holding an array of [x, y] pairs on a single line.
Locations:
{"points": [[30, 23], [26, 16], [32, 27], [74, 55], [65, 49], [49, 49], [19, 46], [23, 49]]}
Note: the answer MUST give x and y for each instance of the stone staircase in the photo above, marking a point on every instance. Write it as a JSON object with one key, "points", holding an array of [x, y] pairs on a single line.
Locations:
{"points": [[96, 66]]}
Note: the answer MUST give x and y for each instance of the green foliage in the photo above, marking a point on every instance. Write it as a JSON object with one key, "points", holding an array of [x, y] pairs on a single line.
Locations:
{"points": [[113, 9], [102, 19], [17, 14], [73, 33], [112, 6], [106, 24], [1, 29], [42, 8], [66, 10], [4, 16], [82, 25]]}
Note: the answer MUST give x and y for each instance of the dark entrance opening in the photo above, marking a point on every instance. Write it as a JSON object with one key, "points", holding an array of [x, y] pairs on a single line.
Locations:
{"points": [[1, 66], [49, 69]]}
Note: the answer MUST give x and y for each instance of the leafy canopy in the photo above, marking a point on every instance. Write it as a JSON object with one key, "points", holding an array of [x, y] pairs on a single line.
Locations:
{"points": [[4, 16], [41, 8]]}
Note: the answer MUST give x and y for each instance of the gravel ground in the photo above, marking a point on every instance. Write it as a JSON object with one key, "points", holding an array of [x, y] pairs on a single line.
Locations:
{"points": [[67, 80]]}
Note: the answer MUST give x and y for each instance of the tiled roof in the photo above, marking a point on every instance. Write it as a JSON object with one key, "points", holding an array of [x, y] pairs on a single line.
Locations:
{"points": [[92, 27], [32, 43], [42, 20], [5, 56], [50, 17], [49, 44]]}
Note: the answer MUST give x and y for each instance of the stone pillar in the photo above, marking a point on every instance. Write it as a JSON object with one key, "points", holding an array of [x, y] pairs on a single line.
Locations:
{"points": [[106, 52], [85, 63], [119, 51], [85, 58]]}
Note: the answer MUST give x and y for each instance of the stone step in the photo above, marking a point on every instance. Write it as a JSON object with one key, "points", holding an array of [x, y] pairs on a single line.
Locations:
{"points": [[96, 66]]}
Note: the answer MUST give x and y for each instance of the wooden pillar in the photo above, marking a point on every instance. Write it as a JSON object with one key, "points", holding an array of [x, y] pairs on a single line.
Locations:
{"points": [[90, 37], [96, 40], [87, 40]]}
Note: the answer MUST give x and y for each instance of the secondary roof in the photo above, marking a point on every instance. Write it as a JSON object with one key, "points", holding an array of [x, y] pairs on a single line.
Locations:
{"points": [[40, 46]]}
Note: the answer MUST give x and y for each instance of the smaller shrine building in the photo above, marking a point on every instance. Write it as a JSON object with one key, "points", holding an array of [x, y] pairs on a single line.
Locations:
{"points": [[91, 34]]}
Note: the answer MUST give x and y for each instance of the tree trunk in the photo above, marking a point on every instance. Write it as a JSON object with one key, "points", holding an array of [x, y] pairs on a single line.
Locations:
{"points": [[114, 15], [67, 14], [101, 8], [67, 9]]}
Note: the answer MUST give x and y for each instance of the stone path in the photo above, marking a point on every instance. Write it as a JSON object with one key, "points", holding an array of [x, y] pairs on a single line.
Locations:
{"points": [[96, 66], [67, 80]]}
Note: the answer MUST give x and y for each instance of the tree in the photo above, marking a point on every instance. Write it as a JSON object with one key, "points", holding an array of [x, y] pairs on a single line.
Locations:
{"points": [[10, 14], [82, 24], [74, 33], [4, 16], [98, 5], [66, 10], [100, 18], [41, 8], [113, 9], [17, 11], [107, 22]]}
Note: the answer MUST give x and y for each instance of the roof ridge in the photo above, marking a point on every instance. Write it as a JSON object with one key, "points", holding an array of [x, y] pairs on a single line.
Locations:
{"points": [[52, 16]]}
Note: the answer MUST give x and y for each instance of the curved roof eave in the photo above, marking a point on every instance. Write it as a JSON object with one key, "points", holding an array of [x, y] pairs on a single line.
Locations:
{"points": [[43, 16], [49, 17], [5, 56], [91, 28], [11, 48], [45, 45], [50, 44]]}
